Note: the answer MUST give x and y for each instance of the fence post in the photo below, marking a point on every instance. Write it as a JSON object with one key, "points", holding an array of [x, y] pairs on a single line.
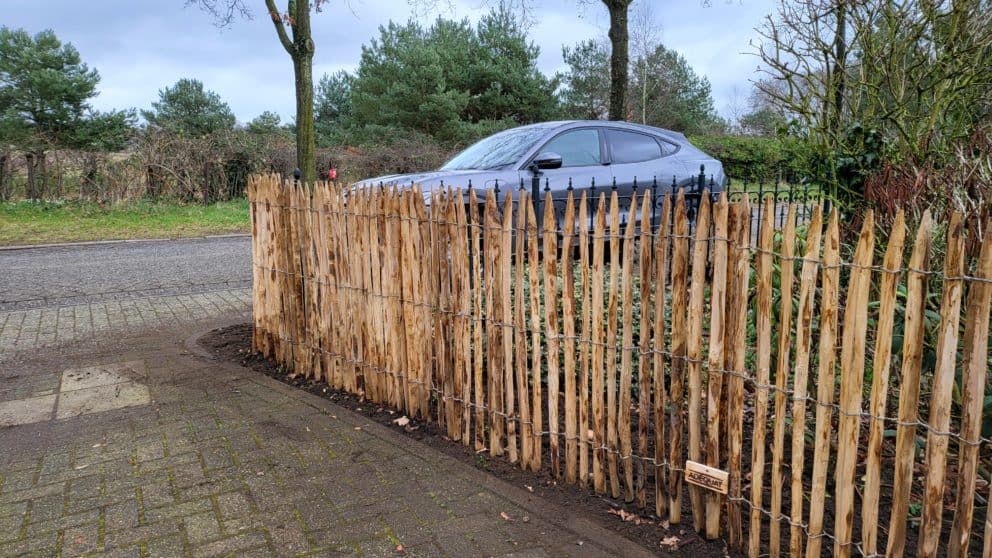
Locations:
{"points": [[535, 190]]}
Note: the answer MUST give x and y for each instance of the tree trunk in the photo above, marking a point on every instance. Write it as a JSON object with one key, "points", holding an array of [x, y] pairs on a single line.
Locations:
{"points": [[32, 185], [89, 179], [3, 177], [43, 168], [306, 149], [619, 57], [300, 49]]}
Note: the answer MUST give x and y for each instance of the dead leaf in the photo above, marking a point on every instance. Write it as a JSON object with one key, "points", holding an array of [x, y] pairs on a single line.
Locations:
{"points": [[400, 549], [402, 421], [665, 524], [529, 488], [670, 543], [626, 516], [526, 519], [506, 516]]}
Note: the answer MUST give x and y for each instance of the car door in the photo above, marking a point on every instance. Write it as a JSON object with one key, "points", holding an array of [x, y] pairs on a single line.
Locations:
{"points": [[583, 165]]}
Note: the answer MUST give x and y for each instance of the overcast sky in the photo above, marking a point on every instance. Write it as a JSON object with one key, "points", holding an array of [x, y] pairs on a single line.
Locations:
{"points": [[142, 46]]}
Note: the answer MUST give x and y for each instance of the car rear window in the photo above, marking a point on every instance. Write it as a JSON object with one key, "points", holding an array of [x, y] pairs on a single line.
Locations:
{"points": [[631, 147]]}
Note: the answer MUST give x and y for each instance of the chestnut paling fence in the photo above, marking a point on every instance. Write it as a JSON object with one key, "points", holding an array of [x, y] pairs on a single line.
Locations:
{"points": [[842, 394]]}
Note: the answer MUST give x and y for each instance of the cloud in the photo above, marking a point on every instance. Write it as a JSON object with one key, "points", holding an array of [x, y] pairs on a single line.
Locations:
{"points": [[142, 47]]}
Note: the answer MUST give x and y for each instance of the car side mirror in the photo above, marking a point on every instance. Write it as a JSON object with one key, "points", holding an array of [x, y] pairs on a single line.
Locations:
{"points": [[547, 160]]}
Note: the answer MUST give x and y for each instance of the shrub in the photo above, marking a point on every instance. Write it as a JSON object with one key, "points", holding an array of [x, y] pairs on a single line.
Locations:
{"points": [[754, 158]]}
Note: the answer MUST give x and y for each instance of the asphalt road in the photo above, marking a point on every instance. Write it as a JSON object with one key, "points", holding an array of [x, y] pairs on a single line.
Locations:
{"points": [[66, 275]]}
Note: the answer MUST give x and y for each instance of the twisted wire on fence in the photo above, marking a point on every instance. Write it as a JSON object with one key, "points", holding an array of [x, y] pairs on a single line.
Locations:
{"points": [[447, 341]]}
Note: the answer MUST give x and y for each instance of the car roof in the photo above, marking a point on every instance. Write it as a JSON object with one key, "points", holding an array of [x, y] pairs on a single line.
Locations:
{"points": [[620, 124]]}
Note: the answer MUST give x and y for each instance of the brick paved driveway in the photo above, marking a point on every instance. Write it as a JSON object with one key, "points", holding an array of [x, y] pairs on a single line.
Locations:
{"points": [[121, 440]]}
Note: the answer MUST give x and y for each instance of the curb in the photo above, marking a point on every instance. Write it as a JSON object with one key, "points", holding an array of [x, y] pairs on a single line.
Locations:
{"points": [[119, 241], [537, 506]]}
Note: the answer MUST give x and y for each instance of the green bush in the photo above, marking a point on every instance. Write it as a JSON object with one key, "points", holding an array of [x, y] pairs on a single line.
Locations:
{"points": [[753, 158]]}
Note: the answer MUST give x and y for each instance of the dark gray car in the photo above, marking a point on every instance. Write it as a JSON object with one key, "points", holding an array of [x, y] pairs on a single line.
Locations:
{"points": [[578, 152]]}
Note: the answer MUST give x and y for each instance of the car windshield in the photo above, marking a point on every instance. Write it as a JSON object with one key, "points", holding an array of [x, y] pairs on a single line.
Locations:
{"points": [[497, 150]]}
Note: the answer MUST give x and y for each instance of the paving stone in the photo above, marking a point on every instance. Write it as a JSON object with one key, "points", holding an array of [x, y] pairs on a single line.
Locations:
{"points": [[171, 545], [201, 527], [239, 545], [127, 537], [233, 504], [81, 539]]}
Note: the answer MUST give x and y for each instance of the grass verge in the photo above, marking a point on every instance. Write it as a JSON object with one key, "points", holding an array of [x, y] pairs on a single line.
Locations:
{"points": [[26, 222]]}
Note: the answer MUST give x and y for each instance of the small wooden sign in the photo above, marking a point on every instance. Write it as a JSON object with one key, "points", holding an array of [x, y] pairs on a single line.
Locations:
{"points": [[706, 477]]}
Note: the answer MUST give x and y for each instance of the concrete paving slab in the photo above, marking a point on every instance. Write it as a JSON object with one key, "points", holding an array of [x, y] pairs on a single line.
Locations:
{"points": [[103, 375], [101, 398], [26, 411]]}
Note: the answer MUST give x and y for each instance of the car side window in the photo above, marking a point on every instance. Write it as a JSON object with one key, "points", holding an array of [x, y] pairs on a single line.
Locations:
{"points": [[631, 147], [577, 148]]}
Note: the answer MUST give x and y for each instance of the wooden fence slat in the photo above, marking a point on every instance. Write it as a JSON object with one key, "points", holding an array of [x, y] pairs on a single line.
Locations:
{"points": [[494, 372], [736, 357], [585, 347], [377, 303], [852, 370], [505, 316], [448, 305], [463, 270], [974, 371], [534, 276], [715, 362], [550, 256], [520, 327], [909, 387], [943, 384], [644, 376], [680, 343], [763, 333], [568, 325], [825, 382], [881, 367], [596, 369], [800, 374], [782, 360], [612, 441], [478, 325], [424, 303], [661, 244], [694, 351], [626, 355], [441, 314]]}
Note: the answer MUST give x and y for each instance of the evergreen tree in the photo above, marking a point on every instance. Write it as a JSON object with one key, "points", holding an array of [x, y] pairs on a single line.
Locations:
{"points": [[452, 81], [44, 96], [186, 108]]}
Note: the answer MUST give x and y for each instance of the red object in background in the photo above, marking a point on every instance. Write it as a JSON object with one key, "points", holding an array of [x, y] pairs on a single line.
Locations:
{"points": [[332, 173]]}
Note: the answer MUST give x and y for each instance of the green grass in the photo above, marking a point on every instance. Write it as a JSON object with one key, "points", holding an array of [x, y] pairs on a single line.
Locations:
{"points": [[26, 222]]}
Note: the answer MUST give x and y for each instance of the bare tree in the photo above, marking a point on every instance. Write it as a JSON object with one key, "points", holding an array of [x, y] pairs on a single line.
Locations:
{"points": [[298, 43], [645, 36]]}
